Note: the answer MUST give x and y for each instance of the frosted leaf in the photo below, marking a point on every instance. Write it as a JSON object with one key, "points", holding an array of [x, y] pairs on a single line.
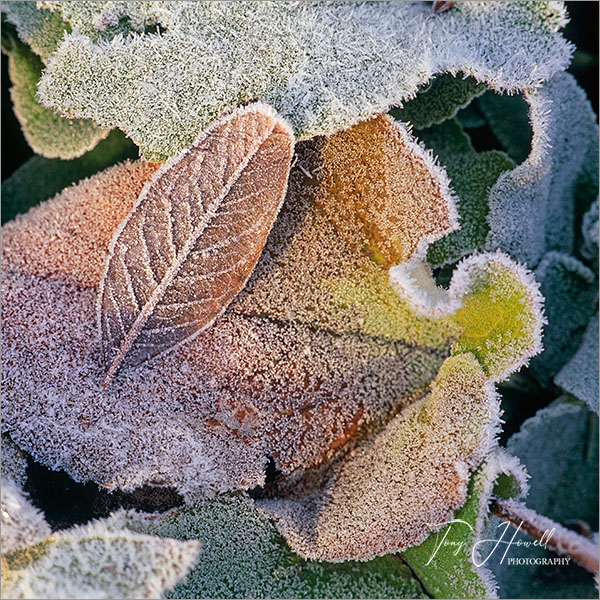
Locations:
{"points": [[494, 303], [98, 561], [443, 97], [46, 132], [325, 263], [579, 376], [40, 29], [40, 178], [397, 487], [14, 461], [571, 293], [508, 118], [203, 418], [589, 231], [445, 562], [193, 238], [243, 556], [472, 174], [565, 135], [324, 66], [559, 448], [23, 525]]}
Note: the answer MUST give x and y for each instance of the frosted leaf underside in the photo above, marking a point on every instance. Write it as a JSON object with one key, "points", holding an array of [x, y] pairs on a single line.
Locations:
{"points": [[193, 238]]}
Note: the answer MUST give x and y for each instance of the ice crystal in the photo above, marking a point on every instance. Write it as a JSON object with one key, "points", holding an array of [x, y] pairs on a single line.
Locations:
{"points": [[40, 29], [546, 184], [571, 292], [14, 461], [397, 487], [98, 560], [298, 57], [236, 536], [23, 525]]}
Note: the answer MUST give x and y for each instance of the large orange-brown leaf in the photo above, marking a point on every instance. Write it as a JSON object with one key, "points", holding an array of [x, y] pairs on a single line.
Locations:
{"points": [[194, 236]]}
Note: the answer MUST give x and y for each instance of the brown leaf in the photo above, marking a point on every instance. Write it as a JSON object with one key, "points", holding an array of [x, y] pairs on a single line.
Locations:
{"points": [[194, 236]]}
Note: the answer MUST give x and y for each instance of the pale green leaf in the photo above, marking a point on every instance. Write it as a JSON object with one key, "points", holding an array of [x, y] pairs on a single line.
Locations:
{"points": [[243, 556], [571, 293], [559, 448], [323, 66], [46, 132], [579, 376]]}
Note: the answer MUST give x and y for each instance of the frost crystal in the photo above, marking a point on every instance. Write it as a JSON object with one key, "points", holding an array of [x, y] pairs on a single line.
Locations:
{"points": [[23, 525], [565, 139], [298, 57], [250, 387], [98, 560], [396, 488]]}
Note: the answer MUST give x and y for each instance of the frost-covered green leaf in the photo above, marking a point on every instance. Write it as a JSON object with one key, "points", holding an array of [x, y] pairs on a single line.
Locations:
{"points": [[417, 471], [98, 561], [14, 461], [589, 231], [324, 66], [472, 175], [579, 376], [447, 562], [508, 118], [46, 132], [243, 556], [532, 207], [39, 28], [441, 99], [494, 302], [41, 178], [559, 448], [23, 525], [571, 293]]}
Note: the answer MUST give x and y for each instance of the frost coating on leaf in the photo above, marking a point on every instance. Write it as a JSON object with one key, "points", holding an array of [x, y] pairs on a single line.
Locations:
{"points": [[494, 301], [202, 419], [99, 561], [472, 174], [397, 487], [325, 263], [441, 99], [193, 237], [449, 569], [571, 293], [565, 134], [14, 462], [40, 29], [559, 448], [324, 66], [23, 525], [243, 556], [41, 178], [589, 230], [46, 132], [579, 376]]}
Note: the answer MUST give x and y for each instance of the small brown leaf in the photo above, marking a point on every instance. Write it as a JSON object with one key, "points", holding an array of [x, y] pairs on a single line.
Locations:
{"points": [[194, 237]]}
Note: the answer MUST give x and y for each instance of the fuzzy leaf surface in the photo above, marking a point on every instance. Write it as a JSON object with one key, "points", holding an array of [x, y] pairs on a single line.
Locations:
{"points": [[559, 448], [41, 178], [289, 55], [193, 237], [46, 132]]}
